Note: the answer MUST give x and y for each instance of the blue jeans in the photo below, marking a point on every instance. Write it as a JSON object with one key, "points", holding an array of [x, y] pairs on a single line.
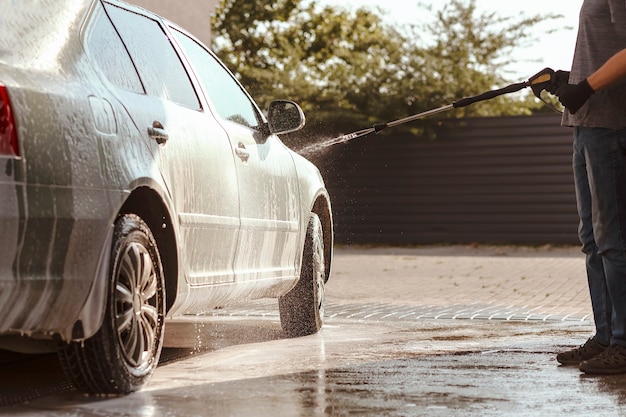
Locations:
{"points": [[599, 162]]}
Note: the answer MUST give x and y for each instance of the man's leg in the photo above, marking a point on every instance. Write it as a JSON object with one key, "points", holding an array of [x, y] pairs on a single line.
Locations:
{"points": [[585, 158], [604, 153], [600, 301]]}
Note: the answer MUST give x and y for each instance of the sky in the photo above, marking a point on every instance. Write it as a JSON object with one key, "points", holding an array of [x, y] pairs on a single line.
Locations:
{"points": [[550, 50]]}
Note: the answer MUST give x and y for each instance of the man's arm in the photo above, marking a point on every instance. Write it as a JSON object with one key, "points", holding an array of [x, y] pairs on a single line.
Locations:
{"points": [[573, 96], [611, 72]]}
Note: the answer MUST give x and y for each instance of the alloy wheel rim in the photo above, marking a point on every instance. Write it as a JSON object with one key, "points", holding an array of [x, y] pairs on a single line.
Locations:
{"points": [[319, 280], [136, 312]]}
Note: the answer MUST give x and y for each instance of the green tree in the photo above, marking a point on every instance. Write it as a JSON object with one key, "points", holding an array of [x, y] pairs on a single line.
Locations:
{"points": [[463, 55], [336, 65], [350, 70]]}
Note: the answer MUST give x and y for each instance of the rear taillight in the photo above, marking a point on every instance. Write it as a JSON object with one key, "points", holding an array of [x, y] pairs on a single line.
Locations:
{"points": [[8, 132]]}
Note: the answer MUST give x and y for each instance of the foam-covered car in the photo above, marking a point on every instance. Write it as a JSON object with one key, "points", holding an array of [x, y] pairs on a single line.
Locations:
{"points": [[139, 181]]}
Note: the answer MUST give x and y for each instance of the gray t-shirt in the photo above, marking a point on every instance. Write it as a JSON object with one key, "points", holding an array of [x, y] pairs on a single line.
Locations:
{"points": [[601, 34]]}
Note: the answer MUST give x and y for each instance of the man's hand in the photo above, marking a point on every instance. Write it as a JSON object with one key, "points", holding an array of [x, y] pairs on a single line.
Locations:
{"points": [[558, 80], [573, 96]]}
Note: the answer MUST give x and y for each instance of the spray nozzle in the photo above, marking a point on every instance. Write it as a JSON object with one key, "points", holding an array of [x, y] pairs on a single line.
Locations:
{"points": [[380, 126]]}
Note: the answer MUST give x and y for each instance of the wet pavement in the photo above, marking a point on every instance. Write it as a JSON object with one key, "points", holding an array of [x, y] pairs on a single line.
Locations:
{"points": [[438, 331]]}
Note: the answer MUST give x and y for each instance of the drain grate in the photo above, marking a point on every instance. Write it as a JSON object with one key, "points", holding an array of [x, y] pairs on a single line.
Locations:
{"points": [[382, 311]]}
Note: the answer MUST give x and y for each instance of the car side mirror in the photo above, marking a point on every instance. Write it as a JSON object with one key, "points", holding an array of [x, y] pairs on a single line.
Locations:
{"points": [[284, 116]]}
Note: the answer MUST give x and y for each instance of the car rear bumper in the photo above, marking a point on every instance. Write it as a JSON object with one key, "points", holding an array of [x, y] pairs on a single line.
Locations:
{"points": [[53, 242]]}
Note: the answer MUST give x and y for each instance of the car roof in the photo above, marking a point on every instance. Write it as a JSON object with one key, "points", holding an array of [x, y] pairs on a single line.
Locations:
{"points": [[35, 32], [45, 33]]}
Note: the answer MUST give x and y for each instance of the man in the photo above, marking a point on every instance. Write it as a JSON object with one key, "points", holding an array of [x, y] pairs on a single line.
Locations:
{"points": [[595, 102]]}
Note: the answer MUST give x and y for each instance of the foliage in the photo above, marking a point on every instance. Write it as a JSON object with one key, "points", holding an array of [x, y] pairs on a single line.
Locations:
{"points": [[349, 70]]}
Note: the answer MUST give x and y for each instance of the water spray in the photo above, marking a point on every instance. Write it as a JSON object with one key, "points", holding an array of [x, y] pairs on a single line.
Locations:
{"points": [[537, 83]]}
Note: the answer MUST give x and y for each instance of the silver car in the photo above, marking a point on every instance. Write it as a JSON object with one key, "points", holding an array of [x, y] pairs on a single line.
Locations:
{"points": [[140, 182]]}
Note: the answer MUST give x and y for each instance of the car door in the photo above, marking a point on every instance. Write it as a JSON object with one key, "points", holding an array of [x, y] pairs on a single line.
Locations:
{"points": [[191, 150], [266, 174]]}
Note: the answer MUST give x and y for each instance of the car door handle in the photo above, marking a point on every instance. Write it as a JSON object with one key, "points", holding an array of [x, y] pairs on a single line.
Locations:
{"points": [[158, 133], [242, 152]]}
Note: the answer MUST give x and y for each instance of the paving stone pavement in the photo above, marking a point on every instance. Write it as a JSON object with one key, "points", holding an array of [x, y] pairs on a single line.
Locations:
{"points": [[471, 282]]}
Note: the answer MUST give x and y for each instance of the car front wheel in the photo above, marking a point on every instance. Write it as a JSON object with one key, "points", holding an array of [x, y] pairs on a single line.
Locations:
{"points": [[122, 355], [302, 308]]}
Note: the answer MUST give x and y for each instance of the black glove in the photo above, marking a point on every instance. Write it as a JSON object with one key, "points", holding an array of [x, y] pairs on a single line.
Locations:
{"points": [[559, 79], [573, 96]]}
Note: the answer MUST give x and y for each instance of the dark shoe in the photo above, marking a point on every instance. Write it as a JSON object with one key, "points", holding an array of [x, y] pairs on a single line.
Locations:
{"points": [[590, 349], [611, 361]]}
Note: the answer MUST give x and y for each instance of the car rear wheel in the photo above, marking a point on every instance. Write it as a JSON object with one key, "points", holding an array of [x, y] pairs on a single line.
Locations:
{"points": [[121, 356], [302, 308]]}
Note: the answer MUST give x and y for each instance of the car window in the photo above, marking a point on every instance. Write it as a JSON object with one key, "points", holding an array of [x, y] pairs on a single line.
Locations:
{"points": [[109, 53], [157, 62], [228, 98]]}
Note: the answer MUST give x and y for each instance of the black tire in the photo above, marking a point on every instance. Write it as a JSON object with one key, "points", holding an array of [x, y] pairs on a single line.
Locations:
{"points": [[124, 352], [302, 308]]}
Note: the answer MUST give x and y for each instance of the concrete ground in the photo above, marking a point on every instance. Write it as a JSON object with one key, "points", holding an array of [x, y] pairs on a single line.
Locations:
{"points": [[422, 331]]}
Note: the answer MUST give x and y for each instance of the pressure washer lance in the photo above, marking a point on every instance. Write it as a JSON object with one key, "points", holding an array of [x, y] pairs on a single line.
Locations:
{"points": [[537, 83]]}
